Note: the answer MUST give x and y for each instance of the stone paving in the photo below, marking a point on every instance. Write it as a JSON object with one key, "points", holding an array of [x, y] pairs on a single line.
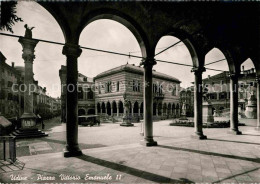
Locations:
{"points": [[222, 158]]}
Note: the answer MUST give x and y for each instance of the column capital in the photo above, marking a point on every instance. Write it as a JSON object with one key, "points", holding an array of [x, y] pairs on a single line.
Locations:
{"points": [[257, 79], [28, 58], [71, 50], [148, 62], [233, 76], [198, 70], [28, 44]]}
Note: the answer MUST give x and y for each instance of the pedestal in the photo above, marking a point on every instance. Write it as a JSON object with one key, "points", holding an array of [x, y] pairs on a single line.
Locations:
{"points": [[127, 122], [208, 118]]}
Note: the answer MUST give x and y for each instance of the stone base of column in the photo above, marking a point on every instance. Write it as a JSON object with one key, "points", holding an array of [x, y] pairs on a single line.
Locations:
{"points": [[234, 132], [72, 151], [142, 133], [126, 124], [257, 128], [148, 142], [198, 135]]}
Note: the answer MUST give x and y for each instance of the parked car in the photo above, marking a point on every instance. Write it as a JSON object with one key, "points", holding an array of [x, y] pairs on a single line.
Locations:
{"points": [[89, 120]]}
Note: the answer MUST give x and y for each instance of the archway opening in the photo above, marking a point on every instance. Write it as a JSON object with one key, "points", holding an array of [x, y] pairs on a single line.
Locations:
{"points": [[108, 108], [81, 112], [217, 83], [114, 106], [247, 90], [154, 109], [98, 108], [136, 106], [103, 107], [184, 56], [91, 111], [121, 107]]}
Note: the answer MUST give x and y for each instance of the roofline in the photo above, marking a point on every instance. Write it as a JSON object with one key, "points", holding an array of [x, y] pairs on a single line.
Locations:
{"points": [[109, 72]]}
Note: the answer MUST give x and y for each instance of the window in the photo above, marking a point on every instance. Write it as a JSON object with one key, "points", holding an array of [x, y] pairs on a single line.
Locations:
{"points": [[160, 88], [174, 91], [99, 89], [80, 93], [108, 87], [136, 85], [117, 86], [90, 94]]}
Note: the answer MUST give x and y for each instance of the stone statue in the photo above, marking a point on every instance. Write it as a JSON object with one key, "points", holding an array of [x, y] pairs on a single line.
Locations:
{"points": [[28, 31]]}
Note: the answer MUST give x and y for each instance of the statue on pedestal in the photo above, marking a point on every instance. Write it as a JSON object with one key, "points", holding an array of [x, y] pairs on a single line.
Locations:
{"points": [[126, 117], [28, 31], [208, 117], [251, 107]]}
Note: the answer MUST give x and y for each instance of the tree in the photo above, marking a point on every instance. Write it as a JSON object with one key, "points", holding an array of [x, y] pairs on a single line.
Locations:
{"points": [[8, 15]]}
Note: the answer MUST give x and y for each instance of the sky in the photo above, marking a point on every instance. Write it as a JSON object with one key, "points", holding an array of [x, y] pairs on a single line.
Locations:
{"points": [[100, 34]]}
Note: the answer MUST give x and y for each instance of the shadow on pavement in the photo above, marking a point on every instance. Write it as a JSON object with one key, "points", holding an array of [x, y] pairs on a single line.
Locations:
{"points": [[230, 177], [234, 141], [256, 160], [132, 171], [81, 145]]}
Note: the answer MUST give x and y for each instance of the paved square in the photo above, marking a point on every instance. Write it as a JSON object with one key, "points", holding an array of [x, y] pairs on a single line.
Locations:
{"points": [[222, 158]]}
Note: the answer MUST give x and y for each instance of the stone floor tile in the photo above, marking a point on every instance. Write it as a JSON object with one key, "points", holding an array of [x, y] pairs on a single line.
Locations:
{"points": [[194, 177], [210, 173], [223, 170], [180, 170]]}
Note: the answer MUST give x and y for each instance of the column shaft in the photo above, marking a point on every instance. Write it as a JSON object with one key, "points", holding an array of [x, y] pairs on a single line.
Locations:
{"points": [[198, 104], [234, 105], [258, 104], [72, 52], [148, 102]]}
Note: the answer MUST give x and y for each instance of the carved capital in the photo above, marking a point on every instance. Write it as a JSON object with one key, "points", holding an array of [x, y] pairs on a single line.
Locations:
{"points": [[199, 70], [28, 57], [233, 76], [71, 50], [148, 62]]}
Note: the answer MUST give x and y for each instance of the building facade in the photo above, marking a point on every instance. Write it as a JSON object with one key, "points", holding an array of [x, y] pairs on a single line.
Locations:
{"points": [[217, 89], [112, 87], [86, 96], [12, 93]]}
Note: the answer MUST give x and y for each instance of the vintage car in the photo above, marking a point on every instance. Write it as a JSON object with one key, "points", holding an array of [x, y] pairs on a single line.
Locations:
{"points": [[89, 120]]}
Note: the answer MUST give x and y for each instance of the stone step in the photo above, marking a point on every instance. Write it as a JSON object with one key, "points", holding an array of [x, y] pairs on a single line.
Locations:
{"points": [[32, 133]]}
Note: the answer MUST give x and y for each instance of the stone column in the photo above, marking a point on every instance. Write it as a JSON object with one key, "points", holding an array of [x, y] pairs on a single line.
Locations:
{"points": [[117, 112], [258, 103], [234, 105], [63, 77], [28, 118], [156, 111], [139, 110], [72, 53], [198, 134], [148, 102]]}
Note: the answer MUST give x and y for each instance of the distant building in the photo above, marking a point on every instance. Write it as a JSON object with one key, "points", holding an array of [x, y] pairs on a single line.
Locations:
{"points": [[187, 98], [9, 100], [218, 92], [86, 98], [12, 96], [126, 81]]}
